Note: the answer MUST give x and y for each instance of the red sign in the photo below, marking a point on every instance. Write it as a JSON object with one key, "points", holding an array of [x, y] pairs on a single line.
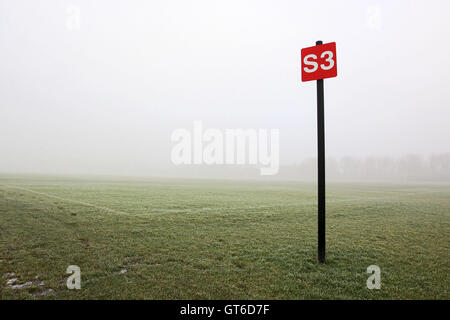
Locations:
{"points": [[319, 62]]}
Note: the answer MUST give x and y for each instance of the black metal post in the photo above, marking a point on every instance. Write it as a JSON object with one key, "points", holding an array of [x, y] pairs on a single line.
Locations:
{"points": [[321, 168]]}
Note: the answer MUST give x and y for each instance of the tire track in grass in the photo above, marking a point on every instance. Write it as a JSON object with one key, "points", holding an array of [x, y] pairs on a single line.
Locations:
{"points": [[87, 204]]}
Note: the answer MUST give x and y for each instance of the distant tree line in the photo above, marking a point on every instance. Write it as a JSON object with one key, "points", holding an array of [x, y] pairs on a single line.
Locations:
{"points": [[412, 167]]}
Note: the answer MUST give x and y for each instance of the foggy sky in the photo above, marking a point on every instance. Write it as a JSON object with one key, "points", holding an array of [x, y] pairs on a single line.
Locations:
{"points": [[106, 97]]}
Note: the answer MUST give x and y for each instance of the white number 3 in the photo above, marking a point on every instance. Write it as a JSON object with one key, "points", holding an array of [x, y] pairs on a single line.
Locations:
{"points": [[329, 60], [315, 65]]}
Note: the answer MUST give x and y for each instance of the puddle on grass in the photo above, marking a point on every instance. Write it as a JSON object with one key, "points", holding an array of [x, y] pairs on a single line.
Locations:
{"points": [[44, 293], [13, 283]]}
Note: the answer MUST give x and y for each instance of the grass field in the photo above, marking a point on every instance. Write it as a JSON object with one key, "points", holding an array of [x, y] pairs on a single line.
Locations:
{"points": [[193, 239]]}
